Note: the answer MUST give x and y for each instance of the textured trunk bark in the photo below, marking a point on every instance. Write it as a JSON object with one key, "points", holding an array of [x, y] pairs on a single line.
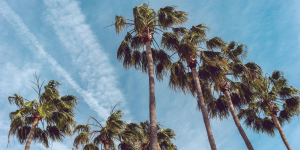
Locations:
{"points": [[277, 124], [31, 133], [152, 105], [237, 121], [203, 110]]}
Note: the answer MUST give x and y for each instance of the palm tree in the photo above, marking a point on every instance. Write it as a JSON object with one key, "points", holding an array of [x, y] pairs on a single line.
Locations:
{"points": [[186, 43], [146, 22], [140, 137], [106, 135], [274, 95], [50, 109], [217, 77]]}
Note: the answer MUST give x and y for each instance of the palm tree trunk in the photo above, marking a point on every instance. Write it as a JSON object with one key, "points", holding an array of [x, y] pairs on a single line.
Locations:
{"points": [[237, 121], [277, 124], [106, 146], [31, 133], [203, 110], [152, 105]]}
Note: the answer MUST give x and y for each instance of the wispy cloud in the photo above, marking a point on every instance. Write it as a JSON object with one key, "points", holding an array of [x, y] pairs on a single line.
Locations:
{"points": [[88, 56], [30, 40]]}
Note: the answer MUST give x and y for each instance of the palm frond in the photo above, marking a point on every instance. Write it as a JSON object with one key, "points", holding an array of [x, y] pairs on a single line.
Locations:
{"points": [[91, 146], [16, 100], [81, 139], [169, 16], [200, 30], [120, 24], [180, 31], [215, 43], [170, 41], [178, 79]]}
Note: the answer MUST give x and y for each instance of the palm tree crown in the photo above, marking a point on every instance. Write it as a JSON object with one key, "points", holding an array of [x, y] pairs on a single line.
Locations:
{"points": [[90, 137], [277, 101], [147, 22], [139, 138], [187, 44], [54, 112]]}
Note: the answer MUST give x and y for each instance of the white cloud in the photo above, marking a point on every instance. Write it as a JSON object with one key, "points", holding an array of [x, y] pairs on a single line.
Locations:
{"points": [[87, 55], [30, 40]]}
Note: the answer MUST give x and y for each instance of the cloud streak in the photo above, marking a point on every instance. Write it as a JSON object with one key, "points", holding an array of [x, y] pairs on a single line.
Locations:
{"points": [[30, 40], [92, 63]]}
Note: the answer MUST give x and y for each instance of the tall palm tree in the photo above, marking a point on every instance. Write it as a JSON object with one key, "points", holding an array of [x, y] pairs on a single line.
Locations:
{"points": [[274, 95], [50, 109], [220, 80], [99, 134], [140, 137], [186, 43], [146, 22]]}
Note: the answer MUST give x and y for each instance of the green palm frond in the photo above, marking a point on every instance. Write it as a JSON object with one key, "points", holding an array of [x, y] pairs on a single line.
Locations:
{"points": [[240, 52], [81, 139], [200, 30], [120, 23], [217, 108], [162, 63], [21, 133], [231, 45], [17, 100], [124, 54], [144, 62], [169, 16], [254, 69], [215, 43], [136, 43], [170, 41], [144, 17], [178, 79], [126, 146], [82, 128], [54, 133], [32, 104], [137, 59], [181, 31], [257, 124], [19, 114], [91, 146], [277, 75], [98, 139]]}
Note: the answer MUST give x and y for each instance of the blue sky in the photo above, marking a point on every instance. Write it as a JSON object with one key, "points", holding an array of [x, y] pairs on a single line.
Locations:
{"points": [[65, 40]]}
